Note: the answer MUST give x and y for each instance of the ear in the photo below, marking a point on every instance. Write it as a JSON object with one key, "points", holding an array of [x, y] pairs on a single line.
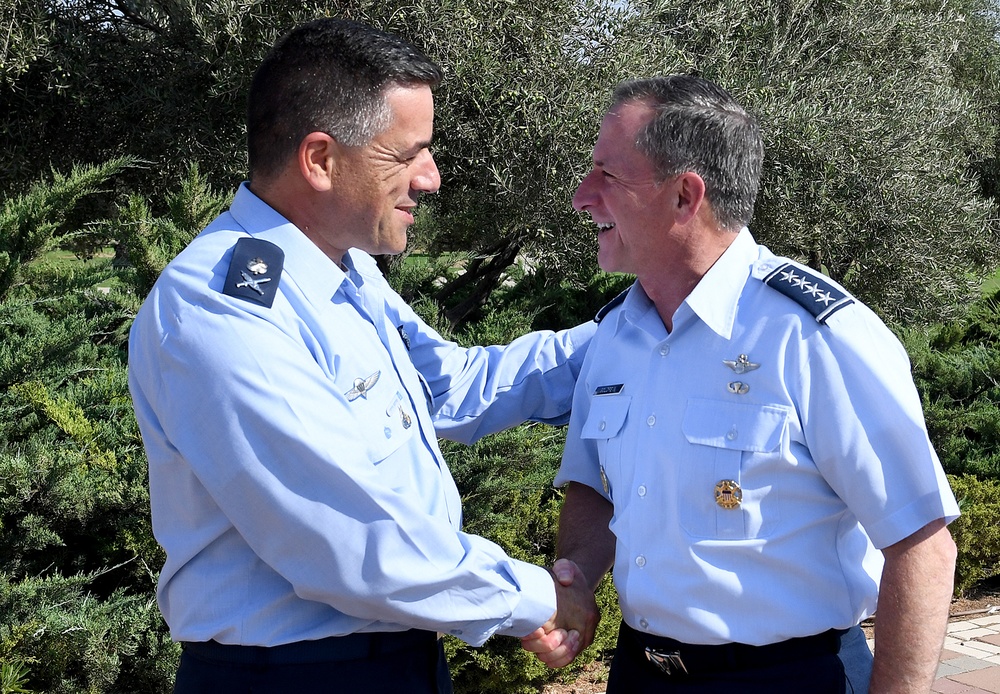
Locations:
{"points": [[690, 192], [318, 158]]}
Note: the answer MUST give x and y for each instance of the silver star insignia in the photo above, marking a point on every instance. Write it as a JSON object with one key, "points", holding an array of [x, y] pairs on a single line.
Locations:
{"points": [[362, 386], [741, 364]]}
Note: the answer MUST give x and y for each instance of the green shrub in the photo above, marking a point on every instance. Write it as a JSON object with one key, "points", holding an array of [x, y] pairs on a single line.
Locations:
{"points": [[508, 497], [976, 531]]}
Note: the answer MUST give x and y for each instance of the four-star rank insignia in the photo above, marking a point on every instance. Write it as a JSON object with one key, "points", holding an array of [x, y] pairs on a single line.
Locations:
{"points": [[811, 290], [254, 271]]}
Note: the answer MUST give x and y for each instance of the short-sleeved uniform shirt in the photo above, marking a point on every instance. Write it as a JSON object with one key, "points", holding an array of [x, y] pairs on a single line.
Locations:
{"points": [[756, 456], [295, 478]]}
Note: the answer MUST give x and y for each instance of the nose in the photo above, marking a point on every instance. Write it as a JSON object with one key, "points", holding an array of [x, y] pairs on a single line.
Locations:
{"points": [[584, 195], [427, 178]]}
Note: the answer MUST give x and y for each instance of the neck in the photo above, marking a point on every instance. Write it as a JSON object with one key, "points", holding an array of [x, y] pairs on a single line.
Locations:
{"points": [[300, 206], [674, 275]]}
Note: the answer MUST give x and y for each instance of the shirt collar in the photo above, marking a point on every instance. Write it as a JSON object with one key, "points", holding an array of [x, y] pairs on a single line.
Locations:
{"points": [[716, 297], [312, 269]]}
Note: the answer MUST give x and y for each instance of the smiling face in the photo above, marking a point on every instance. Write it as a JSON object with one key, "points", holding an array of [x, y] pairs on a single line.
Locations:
{"points": [[624, 194], [377, 184]]}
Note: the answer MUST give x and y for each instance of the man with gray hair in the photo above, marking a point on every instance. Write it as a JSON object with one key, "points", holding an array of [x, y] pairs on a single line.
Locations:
{"points": [[290, 401], [746, 448]]}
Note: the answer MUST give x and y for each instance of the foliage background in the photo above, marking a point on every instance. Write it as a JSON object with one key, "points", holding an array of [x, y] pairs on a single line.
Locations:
{"points": [[122, 128]]}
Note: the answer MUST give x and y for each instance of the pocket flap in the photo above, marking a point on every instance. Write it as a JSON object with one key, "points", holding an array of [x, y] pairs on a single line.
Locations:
{"points": [[607, 415], [735, 425]]}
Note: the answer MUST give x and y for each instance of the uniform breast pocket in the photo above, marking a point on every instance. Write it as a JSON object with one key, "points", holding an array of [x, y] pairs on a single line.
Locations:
{"points": [[388, 422], [604, 426], [730, 482]]}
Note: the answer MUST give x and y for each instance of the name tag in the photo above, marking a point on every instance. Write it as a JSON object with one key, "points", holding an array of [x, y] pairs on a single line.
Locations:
{"points": [[609, 390]]}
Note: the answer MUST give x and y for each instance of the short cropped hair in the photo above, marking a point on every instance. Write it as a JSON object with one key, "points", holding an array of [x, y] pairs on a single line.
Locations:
{"points": [[328, 75], [700, 127]]}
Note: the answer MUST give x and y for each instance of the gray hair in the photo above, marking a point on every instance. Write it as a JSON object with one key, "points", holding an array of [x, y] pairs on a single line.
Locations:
{"points": [[699, 127]]}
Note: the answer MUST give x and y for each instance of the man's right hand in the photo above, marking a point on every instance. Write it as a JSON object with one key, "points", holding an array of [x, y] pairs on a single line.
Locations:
{"points": [[572, 627]]}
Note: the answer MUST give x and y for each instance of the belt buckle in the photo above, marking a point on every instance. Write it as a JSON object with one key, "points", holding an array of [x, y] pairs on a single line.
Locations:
{"points": [[669, 662]]}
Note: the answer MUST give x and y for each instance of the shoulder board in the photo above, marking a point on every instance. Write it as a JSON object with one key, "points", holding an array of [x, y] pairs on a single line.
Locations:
{"points": [[611, 305], [254, 271], [811, 290]]}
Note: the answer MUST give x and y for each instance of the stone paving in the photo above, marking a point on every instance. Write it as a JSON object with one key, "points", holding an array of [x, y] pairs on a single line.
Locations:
{"points": [[970, 661]]}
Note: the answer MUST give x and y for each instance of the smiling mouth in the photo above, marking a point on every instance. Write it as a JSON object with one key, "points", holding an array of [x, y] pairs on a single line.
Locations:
{"points": [[604, 226]]}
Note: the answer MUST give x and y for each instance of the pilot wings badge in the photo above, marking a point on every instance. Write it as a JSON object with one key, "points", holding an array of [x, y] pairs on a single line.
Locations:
{"points": [[362, 386], [741, 364]]}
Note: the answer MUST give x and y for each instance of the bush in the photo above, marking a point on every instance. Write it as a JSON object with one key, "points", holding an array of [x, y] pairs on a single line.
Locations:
{"points": [[976, 531]]}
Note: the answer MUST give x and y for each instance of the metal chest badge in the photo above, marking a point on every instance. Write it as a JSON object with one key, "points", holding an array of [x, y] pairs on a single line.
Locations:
{"points": [[740, 365], [362, 386], [728, 494]]}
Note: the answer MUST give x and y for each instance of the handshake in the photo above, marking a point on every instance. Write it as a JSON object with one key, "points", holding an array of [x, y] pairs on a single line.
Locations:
{"points": [[571, 628]]}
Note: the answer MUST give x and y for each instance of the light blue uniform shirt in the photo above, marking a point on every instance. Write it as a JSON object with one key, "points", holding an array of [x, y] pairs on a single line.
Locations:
{"points": [[825, 438], [291, 506]]}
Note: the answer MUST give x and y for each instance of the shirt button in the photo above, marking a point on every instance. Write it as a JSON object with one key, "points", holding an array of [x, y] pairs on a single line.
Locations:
{"points": [[651, 420], [732, 434], [643, 623], [388, 432], [602, 426], [640, 561], [642, 490], [664, 350]]}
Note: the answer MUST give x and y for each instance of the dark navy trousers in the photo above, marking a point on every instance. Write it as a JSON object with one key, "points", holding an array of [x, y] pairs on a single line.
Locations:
{"points": [[845, 672], [384, 663]]}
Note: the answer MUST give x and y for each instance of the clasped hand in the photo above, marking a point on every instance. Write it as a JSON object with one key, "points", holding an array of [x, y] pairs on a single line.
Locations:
{"points": [[571, 628]]}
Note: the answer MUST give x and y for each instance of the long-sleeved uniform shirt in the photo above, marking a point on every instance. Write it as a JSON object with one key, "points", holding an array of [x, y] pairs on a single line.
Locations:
{"points": [[756, 455], [295, 478]]}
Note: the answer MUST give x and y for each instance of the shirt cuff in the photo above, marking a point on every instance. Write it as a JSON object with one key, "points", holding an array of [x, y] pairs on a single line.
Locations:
{"points": [[537, 601]]}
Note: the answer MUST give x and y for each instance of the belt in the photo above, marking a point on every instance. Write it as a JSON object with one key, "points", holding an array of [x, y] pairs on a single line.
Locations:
{"points": [[330, 649], [678, 659]]}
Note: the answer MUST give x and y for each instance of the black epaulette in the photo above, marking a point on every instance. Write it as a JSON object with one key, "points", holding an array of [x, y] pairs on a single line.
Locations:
{"points": [[608, 307], [811, 290], [254, 271]]}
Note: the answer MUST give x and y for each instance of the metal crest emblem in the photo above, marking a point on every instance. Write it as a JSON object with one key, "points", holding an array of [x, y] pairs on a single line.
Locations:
{"points": [[728, 494], [741, 364], [405, 418], [362, 386], [257, 266]]}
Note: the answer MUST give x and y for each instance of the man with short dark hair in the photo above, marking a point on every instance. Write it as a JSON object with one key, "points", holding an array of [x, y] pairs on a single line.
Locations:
{"points": [[745, 438], [289, 402]]}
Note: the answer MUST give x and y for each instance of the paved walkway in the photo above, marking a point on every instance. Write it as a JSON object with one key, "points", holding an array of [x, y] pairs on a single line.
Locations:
{"points": [[970, 661]]}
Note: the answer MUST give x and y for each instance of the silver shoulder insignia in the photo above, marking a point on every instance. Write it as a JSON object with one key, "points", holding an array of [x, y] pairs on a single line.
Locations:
{"points": [[254, 271], [812, 290]]}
